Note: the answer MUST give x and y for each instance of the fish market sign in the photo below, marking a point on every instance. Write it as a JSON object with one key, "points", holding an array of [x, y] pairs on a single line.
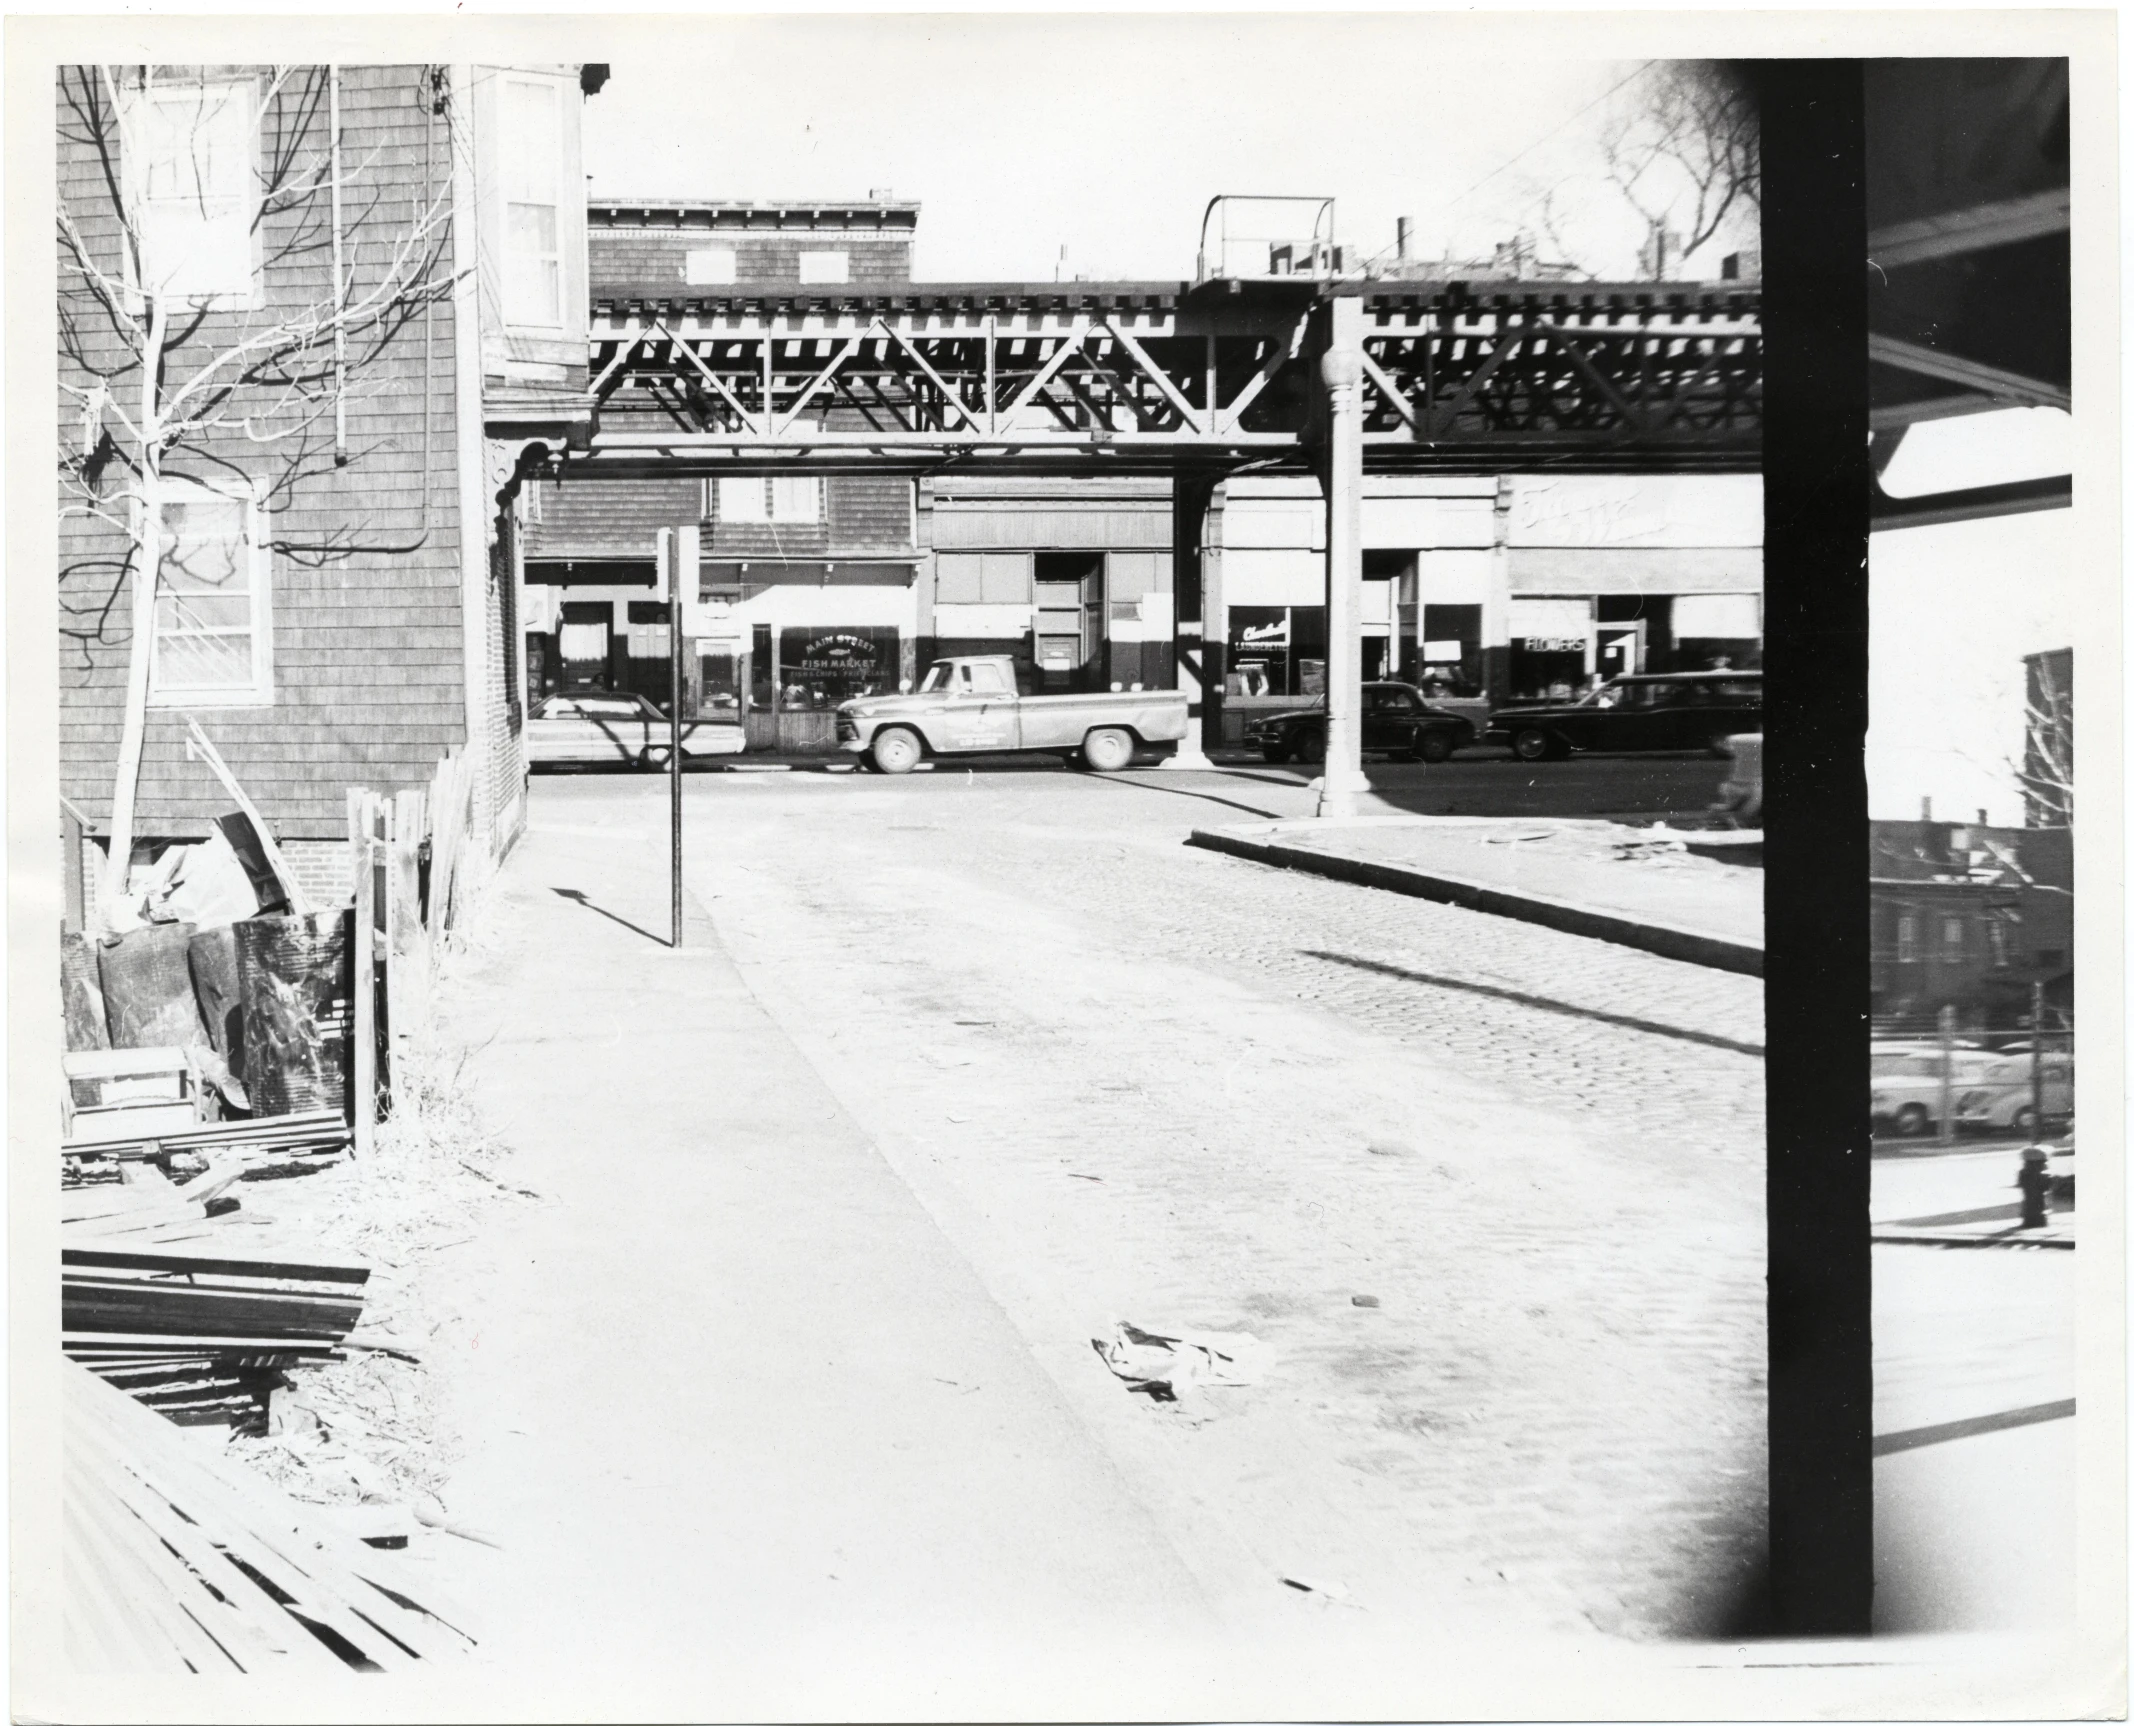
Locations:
{"points": [[840, 655]]}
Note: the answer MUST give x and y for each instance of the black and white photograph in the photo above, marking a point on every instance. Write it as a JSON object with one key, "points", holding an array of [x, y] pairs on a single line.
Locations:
{"points": [[914, 866]]}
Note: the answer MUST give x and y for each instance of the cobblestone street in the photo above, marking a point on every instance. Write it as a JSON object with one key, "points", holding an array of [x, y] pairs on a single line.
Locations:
{"points": [[1136, 1081]]}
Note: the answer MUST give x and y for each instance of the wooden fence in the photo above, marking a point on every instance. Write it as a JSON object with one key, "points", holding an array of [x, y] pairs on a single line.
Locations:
{"points": [[409, 855]]}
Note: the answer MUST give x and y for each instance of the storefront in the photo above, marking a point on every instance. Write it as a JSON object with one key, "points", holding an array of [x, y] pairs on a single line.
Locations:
{"points": [[819, 668], [1276, 650], [796, 638], [1072, 580], [1552, 648]]}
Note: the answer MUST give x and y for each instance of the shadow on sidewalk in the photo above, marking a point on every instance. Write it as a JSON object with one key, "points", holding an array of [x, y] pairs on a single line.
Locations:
{"points": [[578, 898], [1181, 791], [1543, 1004]]}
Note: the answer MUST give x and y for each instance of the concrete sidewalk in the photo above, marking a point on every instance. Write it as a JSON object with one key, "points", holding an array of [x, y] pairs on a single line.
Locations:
{"points": [[735, 1410], [1638, 887]]}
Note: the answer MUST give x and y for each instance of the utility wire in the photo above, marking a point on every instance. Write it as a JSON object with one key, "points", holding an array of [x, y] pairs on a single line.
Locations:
{"points": [[1634, 72], [1511, 162]]}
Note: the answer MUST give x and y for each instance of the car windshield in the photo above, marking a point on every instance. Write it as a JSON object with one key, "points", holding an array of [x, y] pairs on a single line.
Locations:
{"points": [[937, 676]]}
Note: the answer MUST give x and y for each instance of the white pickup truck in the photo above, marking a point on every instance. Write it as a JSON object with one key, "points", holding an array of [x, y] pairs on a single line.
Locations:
{"points": [[969, 706]]}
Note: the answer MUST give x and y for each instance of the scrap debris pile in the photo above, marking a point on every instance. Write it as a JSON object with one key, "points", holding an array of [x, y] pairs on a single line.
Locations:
{"points": [[229, 1035]]}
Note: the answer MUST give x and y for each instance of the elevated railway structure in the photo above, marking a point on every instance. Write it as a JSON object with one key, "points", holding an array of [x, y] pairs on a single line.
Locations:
{"points": [[1191, 381]]}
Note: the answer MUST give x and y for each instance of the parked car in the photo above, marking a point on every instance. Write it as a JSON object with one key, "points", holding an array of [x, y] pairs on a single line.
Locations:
{"points": [[969, 705], [1906, 1088], [1396, 721], [591, 727], [2003, 1101], [1666, 710]]}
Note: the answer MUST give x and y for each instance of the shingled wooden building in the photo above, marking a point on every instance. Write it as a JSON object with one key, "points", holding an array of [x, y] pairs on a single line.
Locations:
{"points": [[356, 292]]}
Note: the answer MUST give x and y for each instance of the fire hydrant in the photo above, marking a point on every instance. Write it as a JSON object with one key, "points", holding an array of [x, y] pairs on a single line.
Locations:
{"points": [[2033, 1182]]}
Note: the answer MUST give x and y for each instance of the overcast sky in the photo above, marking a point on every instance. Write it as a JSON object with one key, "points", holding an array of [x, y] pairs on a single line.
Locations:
{"points": [[1952, 610], [1021, 133]]}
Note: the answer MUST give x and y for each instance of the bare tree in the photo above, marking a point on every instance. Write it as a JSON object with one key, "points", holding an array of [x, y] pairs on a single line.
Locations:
{"points": [[1686, 155], [166, 380], [2047, 771]]}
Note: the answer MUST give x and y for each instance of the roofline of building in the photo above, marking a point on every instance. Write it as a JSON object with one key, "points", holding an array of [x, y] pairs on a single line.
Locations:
{"points": [[1710, 298], [745, 213]]}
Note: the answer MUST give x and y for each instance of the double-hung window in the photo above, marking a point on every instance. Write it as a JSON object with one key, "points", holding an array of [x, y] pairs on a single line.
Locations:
{"points": [[190, 151], [533, 242], [213, 643]]}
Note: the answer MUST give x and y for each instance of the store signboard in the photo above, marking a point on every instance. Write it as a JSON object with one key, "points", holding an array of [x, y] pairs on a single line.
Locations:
{"points": [[1553, 643], [1264, 636], [1443, 652]]}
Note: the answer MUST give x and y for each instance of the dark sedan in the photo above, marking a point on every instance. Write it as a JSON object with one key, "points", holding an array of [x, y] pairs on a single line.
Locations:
{"points": [[1667, 710], [1396, 721]]}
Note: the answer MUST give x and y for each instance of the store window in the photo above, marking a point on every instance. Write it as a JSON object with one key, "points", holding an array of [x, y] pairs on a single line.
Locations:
{"points": [[212, 641], [190, 152], [818, 668], [1277, 650], [1451, 650], [1547, 668], [533, 251]]}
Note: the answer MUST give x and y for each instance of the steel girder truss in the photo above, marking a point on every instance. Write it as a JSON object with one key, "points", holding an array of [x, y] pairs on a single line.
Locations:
{"points": [[1642, 377]]}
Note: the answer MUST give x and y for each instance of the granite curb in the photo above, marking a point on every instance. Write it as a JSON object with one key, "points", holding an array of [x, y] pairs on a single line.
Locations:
{"points": [[1670, 941]]}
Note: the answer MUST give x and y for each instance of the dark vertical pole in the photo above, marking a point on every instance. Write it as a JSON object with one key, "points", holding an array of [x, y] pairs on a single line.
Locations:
{"points": [[1945, 1026], [681, 547], [2037, 1059], [1817, 998]]}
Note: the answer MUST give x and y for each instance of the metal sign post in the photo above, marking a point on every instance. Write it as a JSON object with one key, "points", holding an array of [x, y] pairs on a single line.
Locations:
{"points": [[678, 570]]}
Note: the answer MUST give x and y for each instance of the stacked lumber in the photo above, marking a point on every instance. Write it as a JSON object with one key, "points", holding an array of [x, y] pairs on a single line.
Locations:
{"points": [[202, 1339], [176, 1560], [272, 1138]]}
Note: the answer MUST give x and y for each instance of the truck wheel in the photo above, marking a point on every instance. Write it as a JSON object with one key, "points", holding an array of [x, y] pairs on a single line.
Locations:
{"points": [[653, 757], [2024, 1121], [1108, 750], [1533, 744], [896, 750], [1433, 746], [1913, 1121], [1274, 754], [1311, 747]]}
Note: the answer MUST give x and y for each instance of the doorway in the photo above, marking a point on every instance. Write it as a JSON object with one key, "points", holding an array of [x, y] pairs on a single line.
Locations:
{"points": [[1070, 620], [1619, 648]]}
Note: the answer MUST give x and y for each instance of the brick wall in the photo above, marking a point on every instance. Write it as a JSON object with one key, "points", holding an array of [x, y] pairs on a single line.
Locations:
{"points": [[368, 683]]}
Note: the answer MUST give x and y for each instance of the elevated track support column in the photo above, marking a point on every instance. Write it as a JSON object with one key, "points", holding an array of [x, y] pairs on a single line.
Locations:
{"points": [[1196, 650], [1341, 376]]}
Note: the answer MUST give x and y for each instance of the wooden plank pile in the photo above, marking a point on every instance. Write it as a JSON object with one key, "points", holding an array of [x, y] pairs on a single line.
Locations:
{"points": [[175, 1560], [272, 1143], [199, 1338]]}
